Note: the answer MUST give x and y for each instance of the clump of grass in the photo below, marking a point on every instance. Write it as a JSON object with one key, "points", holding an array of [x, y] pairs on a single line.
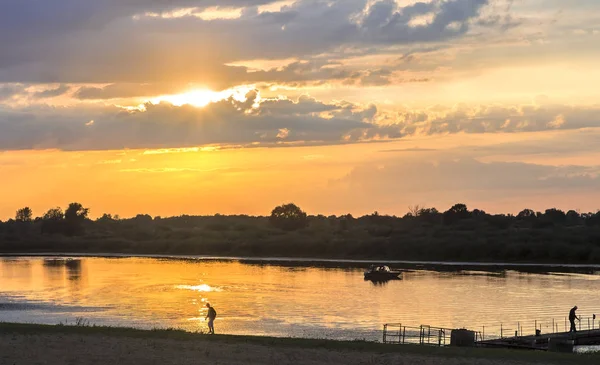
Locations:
{"points": [[79, 322]]}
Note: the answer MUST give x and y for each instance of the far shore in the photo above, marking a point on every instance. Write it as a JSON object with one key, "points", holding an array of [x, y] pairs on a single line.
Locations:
{"points": [[317, 260], [37, 344]]}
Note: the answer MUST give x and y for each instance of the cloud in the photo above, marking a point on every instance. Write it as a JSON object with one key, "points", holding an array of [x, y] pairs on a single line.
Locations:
{"points": [[494, 119], [51, 93], [7, 91], [126, 90], [227, 122], [109, 41], [15, 91], [440, 180], [464, 174], [253, 121]]}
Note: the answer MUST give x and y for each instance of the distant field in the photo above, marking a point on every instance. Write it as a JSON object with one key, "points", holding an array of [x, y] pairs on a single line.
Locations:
{"points": [[39, 344]]}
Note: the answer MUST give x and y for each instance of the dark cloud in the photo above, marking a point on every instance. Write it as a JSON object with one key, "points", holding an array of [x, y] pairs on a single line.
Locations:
{"points": [[164, 125], [70, 41], [115, 91], [10, 91], [51, 93], [7, 91], [233, 122], [493, 119]]}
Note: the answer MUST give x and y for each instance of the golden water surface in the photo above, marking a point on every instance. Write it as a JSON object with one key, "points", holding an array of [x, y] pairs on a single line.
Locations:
{"points": [[280, 300]]}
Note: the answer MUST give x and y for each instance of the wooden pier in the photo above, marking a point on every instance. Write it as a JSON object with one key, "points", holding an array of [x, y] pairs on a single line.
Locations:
{"points": [[438, 336], [544, 342]]}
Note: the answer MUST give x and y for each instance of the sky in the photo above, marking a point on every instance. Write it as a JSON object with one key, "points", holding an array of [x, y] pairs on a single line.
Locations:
{"points": [[171, 107]]}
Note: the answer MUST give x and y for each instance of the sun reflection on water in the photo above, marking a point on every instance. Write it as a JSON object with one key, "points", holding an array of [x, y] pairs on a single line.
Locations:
{"points": [[199, 288]]}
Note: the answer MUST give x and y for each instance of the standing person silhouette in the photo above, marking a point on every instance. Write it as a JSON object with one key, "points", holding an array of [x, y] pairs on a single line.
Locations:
{"points": [[211, 315], [572, 318]]}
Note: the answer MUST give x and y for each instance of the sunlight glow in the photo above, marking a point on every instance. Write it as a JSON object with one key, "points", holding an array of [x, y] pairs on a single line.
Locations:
{"points": [[422, 20], [212, 13], [202, 97]]}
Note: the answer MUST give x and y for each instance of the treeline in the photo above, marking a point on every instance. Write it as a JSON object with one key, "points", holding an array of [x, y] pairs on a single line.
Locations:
{"points": [[457, 234]]}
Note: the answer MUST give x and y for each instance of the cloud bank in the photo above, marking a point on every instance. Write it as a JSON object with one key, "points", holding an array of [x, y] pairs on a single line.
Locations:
{"points": [[264, 122]]}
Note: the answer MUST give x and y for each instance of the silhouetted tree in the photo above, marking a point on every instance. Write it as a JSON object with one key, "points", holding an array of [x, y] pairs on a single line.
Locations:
{"points": [[52, 221], [75, 216], [414, 210], [526, 214], [573, 217], [460, 209], [55, 214], [105, 218], [555, 215], [455, 213], [288, 217], [24, 215], [478, 213], [428, 211], [143, 219]]}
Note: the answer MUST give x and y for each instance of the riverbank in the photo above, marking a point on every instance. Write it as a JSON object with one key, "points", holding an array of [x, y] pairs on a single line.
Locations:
{"points": [[331, 262], [37, 344]]}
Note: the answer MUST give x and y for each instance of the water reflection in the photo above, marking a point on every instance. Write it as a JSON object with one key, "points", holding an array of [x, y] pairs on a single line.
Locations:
{"points": [[11, 268], [57, 269], [331, 300], [380, 282]]}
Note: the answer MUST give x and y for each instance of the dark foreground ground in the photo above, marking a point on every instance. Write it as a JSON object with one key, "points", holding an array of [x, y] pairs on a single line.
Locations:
{"points": [[34, 344]]}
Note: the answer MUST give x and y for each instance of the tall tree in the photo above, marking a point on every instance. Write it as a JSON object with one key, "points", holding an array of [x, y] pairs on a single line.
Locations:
{"points": [[52, 221], [24, 215], [75, 216], [288, 217]]}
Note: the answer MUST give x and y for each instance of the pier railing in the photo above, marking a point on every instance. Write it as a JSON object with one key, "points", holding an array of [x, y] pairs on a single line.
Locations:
{"points": [[533, 327], [396, 333]]}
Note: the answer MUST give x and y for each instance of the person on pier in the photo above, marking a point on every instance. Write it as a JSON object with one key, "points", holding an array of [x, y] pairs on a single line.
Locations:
{"points": [[572, 318]]}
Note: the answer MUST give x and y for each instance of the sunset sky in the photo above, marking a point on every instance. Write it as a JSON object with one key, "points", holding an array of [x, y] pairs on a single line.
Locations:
{"points": [[172, 107]]}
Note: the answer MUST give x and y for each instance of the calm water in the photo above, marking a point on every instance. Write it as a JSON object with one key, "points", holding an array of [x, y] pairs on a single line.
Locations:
{"points": [[273, 299]]}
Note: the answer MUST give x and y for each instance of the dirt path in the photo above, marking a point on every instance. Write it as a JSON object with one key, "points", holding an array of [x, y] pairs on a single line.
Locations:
{"points": [[84, 349]]}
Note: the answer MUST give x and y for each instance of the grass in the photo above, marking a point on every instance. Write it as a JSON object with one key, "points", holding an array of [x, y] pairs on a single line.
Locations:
{"points": [[360, 346]]}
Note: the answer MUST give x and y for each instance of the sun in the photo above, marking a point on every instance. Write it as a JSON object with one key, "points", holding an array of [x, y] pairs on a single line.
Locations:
{"points": [[202, 97], [198, 98]]}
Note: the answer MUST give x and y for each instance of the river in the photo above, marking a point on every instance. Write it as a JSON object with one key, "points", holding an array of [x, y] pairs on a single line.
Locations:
{"points": [[317, 300]]}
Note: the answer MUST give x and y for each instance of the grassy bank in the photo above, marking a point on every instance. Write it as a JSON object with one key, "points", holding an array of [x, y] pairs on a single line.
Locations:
{"points": [[91, 334]]}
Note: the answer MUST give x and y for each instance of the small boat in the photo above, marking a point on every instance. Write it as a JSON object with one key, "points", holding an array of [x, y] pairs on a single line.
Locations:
{"points": [[381, 272]]}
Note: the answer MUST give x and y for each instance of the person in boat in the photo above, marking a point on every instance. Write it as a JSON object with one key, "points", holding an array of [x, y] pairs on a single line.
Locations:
{"points": [[572, 318], [211, 315]]}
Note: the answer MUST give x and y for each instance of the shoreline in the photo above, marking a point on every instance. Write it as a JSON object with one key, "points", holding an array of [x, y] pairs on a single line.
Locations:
{"points": [[92, 344], [305, 260]]}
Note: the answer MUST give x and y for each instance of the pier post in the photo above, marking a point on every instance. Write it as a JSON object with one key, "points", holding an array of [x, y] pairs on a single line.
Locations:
{"points": [[501, 334]]}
